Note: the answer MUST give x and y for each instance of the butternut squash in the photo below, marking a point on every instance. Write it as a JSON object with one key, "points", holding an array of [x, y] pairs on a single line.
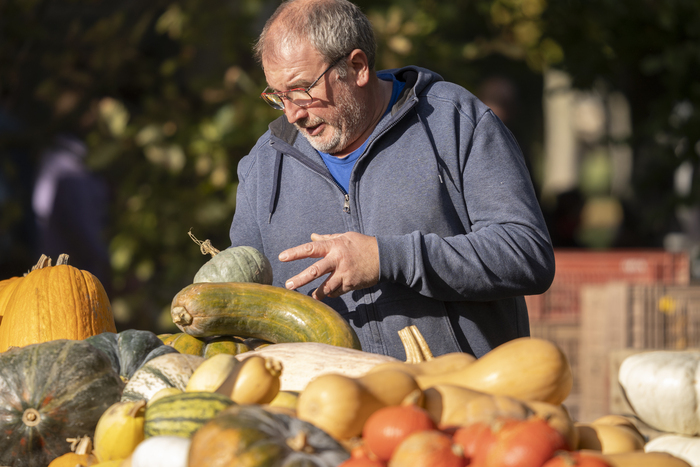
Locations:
{"points": [[640, 459], [340, 405], [527, 368], [450, 406], [608, 439]]}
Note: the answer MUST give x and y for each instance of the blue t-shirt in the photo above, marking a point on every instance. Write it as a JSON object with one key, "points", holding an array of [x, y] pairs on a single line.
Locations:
{"points": [[341, 167]]}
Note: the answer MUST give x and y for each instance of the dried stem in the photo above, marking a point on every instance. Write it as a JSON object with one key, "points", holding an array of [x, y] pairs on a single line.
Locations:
{"points": [[204, 246]]}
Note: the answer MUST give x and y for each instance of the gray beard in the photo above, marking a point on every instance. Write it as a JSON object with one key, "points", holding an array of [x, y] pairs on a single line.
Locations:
{"points": [[345, 125]]}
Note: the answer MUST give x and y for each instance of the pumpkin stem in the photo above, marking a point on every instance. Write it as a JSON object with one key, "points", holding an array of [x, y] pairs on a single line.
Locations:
{"points": [[424, 348], [62, 259], [274, 367], [31, 417], [205, 247], [81, 444], [414, 397], [44, 262], [181, 316], [415, 346], [298, 443]]}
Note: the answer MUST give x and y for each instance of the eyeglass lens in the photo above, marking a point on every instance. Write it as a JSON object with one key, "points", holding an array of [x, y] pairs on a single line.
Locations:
{"points": [[298, 97]]}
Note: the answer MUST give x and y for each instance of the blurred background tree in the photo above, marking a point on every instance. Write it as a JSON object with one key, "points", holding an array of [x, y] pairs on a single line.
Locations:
{"points": [[165, 96]]}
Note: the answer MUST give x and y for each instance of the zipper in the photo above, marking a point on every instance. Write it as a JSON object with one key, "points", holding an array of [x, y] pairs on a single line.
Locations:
{"points": [[346, 205]]}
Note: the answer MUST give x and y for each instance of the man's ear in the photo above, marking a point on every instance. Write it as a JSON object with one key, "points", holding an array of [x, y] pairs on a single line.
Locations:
{"points": [[358, 68]]}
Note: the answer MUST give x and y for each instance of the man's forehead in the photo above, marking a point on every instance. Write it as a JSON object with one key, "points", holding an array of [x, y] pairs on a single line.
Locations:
{"points": [[290, 65]]}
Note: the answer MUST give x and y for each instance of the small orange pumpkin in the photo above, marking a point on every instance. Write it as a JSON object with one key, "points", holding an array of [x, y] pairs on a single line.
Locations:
{"points": [[429, 447], [55, 302]]}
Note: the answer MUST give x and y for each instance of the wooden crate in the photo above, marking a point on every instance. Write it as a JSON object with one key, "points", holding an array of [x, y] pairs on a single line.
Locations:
{"points": [[566, 336], [577, 268], [619, 319]]}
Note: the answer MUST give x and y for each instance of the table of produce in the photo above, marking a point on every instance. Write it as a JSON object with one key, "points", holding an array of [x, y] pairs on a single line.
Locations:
{"points": [[262, 376]]}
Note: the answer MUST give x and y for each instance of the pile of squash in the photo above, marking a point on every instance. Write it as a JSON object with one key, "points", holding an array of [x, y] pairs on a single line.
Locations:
{"points": [[663, 389], [264, 376]]}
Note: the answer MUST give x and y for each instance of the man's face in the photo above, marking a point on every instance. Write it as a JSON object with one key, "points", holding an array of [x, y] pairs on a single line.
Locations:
{"points": [[333, 121]]}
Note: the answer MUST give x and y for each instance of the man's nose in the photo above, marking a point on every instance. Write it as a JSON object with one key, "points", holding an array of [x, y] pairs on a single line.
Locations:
{"points": [[293, 112]]}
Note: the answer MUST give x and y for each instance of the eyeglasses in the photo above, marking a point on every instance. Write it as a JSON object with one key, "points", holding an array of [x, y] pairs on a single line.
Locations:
{"points": [[297, 96]]}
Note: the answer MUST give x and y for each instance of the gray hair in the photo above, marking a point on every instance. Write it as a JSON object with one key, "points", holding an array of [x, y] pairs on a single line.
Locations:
{"points": [[333, 27]]}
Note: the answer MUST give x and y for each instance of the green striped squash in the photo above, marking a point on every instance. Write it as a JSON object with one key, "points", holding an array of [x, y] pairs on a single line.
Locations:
{"points": [[183, 414], [266, 312]]}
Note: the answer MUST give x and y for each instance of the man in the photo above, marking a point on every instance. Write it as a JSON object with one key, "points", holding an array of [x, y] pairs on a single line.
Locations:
{"points": [[415, 196]]}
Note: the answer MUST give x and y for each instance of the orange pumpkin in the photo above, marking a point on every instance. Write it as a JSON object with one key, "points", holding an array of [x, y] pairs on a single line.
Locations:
{"points": [[55, 302], [428, 448], [7, 286]]}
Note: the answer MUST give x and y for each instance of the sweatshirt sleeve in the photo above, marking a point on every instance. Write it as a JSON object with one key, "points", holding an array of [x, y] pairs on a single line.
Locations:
{"points": [[506, 251], [244, 227]]}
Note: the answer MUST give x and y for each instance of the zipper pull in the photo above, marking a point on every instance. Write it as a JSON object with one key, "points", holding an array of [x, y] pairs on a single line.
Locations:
{"points": [[346, 206]]}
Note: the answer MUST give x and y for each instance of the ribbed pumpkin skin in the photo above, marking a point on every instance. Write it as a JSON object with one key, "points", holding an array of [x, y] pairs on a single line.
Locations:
{"points": [[7, 286], [236, 264], [183, 414], [129, 350], [250, 436], [69, 383], [55, 302], [263, 311]]}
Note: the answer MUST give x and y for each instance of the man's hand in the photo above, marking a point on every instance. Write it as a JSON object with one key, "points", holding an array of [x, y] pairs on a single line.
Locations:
{"points": [[351, 260]]}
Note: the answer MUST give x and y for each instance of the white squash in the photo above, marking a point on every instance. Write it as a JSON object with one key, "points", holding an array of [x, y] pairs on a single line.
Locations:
{"points": [[161, 451], [663, 389], [167, 371], [303, 361], [683, 447]]}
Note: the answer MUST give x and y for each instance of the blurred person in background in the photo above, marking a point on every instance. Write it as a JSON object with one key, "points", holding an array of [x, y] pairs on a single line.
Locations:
{"points": [[415, 195], [71, 208]]}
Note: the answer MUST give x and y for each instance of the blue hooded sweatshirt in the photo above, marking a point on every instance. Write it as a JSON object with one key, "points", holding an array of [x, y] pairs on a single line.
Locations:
{"points": [[444, 188]]}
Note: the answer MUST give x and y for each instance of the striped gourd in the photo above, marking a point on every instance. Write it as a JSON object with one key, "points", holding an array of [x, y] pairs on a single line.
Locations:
{"points": [[183, 414], [171, 370], [267, 312]]}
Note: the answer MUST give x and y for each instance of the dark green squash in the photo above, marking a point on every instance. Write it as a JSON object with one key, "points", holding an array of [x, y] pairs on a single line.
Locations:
{"points": [[251, 436], [129, 349], [267, 312], [50, 392]]}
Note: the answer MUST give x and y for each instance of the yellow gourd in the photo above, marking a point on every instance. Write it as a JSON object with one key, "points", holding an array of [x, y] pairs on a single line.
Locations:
{"points": [[340, 405], [640, 459], [526, 368], [255, 380], [119, 430], [609, 439], [81, 454]]}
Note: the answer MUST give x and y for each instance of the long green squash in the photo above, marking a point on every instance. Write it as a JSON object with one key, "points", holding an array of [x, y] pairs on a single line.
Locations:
{"points": [[262, 311]]}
